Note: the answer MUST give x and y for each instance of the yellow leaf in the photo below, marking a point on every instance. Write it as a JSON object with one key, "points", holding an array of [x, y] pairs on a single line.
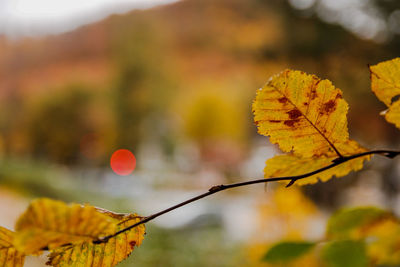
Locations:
{"points": [[379, 228], [48, 224], [292, 165], [301, 113], [9, 256], [306, 116], [385, 83], [385, 79], [393, 115], [105, 254], [384, 236]]}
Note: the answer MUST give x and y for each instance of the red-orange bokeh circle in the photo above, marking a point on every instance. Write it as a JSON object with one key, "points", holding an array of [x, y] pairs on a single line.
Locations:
{"points": [[123, 162]]}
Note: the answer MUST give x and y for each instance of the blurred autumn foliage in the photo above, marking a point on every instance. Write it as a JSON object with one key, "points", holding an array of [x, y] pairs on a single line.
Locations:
{"points": [[157, 75]]}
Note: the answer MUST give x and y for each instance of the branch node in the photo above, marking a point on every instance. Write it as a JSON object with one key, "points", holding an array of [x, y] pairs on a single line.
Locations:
{"points": [[392, 154], [99, 241], [216, 188], [291, 183], [340, 160]]}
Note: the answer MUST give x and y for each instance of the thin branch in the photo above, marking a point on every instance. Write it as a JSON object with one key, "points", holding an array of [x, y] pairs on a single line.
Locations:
{"points": [[218, 188]]}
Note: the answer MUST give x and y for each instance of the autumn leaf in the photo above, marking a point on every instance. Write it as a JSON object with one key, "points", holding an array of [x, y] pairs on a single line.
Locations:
{"points": [[9, 256], [286, 251], [346, 223], [384, 236], [306, 116], [301, 113], [380, 228], [292, 165], [385, 83], [341, 253], [48, 224], [106, 254]]}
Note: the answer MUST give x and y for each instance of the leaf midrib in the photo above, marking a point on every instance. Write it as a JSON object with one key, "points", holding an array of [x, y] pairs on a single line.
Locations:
{"points": [[309, 121]]}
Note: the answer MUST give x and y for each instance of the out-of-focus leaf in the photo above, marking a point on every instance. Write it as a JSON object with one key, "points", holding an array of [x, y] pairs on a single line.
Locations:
{"points": [[378, 228], [292, 165], [345, 253], [301, 113], [287, 251], [383, 241], [385, 83], [106, 254], [9, 256], [48, 224], [344, 222]]}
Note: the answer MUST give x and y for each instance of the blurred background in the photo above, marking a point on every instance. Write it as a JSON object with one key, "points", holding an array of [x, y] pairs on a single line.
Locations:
{"points": [[173, 82]]}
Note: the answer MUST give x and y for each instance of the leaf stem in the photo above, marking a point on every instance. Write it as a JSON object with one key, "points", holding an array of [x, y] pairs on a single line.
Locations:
{"points": [[217, 188]]}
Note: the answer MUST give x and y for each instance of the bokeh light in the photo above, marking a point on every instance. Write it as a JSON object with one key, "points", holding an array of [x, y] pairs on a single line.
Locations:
{"points": [[123, 162]]}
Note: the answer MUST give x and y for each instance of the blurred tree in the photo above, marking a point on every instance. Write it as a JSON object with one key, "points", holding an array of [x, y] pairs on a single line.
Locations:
{"points": [[143, 85], [211, 116], [215, 119], [11, 123], [58, 123]]}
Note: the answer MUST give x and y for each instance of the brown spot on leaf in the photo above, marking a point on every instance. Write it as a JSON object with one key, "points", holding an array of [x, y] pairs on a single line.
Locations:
{"points": [[329, 106], [339, 96], [291, 123], [132, 244], [282, 100], [294, 114], [314, 90], [274, 121], [305, 104], [313, 94]]}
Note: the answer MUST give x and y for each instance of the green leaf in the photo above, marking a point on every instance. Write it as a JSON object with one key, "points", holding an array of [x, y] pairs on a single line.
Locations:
{"points": [[345, 220], [345, 253], [287, 251]]}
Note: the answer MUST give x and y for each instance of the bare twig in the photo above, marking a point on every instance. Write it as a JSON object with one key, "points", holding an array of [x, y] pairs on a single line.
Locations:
{"points": [[218, 188]]}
